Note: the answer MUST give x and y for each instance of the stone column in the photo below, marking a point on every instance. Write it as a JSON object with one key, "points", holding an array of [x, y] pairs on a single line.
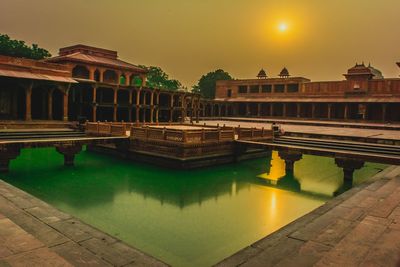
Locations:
{"points": [[50, 104], [298, 110], [130, 106], [69, 152], [183, 108], [271, 109], [313, 110], [346, 111], [94, 104], [247, 109], [171, 108], [384, 108], [329, 111], [65, 104], [349, 165], [290, 157], [28, 102], [115, 104], [284, 110], [101, 72], [151, 106], [137, 106], [91, 73], [258, 109]]}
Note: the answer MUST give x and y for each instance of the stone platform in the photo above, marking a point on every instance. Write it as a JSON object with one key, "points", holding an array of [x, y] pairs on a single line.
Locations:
{"points": [[358, 228], [32, 233]]}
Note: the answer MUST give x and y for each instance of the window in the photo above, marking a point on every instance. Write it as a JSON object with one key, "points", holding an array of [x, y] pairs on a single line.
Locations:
{"points": [[254, 89], [242, 89], [279, 88], [293, 88], [229, 93], [266, 88]]}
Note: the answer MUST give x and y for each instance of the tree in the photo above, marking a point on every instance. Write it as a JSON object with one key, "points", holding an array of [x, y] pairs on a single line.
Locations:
{"points": [[16, 48], [207, 83], [157, 78]]}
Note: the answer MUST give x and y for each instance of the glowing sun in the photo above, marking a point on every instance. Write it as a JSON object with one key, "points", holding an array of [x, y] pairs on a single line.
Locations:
{"points": [[282, 27]]}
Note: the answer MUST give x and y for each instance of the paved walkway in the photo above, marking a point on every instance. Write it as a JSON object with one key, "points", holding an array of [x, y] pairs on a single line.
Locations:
{"points": [[320, 130], [32, 233], [358, 228]]}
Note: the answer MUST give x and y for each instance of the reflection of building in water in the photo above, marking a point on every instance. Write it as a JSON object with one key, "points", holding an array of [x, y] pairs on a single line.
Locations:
{"points": [[276, 170]]}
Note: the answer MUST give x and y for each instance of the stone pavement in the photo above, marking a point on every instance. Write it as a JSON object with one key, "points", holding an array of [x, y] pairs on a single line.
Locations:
{"points": [[319, 130], [361, 227], [32, 233]]}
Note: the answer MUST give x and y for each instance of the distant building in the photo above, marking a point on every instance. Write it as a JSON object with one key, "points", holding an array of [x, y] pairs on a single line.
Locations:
{"points": [[364, 95]]}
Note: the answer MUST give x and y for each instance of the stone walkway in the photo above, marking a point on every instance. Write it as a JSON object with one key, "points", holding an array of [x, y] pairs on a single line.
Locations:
{"points": [[32, 233], [358, 228], [320, 130]]}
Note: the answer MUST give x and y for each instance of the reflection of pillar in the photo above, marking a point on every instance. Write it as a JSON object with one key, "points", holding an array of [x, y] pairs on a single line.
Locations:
{"points": [[65, 102], [50, 104], [290, 157], [115, 104], [69, 152], [349, 165], [28, 102]]}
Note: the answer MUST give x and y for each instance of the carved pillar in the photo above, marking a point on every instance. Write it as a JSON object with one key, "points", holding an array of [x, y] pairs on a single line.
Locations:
{"points": [[349, 165], [50, 104], [7, 153], [115, 104], [290, 157], [28, 102], [69, 152]]}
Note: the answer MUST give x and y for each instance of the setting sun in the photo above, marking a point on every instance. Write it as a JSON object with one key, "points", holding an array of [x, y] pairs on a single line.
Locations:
{"points": [[282, 27]]}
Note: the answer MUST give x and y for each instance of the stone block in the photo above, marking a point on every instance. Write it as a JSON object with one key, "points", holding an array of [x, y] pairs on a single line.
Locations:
{"points": [[39, 257], [240, 257], [48, 214], [70, 228]]}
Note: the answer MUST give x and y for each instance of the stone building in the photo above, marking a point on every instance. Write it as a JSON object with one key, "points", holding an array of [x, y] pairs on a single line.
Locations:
{"points": [[364, 95], [89, 83]]}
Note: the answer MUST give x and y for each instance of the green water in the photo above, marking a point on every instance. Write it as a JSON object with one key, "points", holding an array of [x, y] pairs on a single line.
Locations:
{"points": [[185, 218]]}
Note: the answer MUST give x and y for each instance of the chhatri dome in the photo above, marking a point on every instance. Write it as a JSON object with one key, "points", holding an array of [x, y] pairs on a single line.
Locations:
{"points": [[262, 74], [284, 73]]}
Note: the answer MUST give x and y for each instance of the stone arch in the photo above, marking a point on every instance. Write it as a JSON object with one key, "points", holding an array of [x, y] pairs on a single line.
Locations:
{"points": [[81, 71], [110, 76]]}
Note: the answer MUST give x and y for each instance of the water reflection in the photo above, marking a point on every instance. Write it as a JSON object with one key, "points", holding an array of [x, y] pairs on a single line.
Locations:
{"points": [[186, 218]]}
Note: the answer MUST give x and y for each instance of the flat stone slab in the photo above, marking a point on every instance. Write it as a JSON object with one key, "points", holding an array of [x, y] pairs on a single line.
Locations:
{"points": [[358, 228], [33, 233]]}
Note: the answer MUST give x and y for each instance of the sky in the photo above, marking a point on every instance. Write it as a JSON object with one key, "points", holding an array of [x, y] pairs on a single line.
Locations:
{"points": [[317, 39]]}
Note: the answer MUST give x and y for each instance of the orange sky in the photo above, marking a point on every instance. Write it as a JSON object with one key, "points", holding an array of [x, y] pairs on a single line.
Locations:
{"points": [[188, 38]]}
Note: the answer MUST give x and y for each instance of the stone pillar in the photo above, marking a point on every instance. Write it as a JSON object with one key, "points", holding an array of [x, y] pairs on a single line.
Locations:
{"points": [[91, 73], [384, 108], [329, 111], [284, 109], [7, 153], [28, 100], [171, 108], [65, 104], [115, 104], [50, 104], [313, 110], [346, 111], [258, 109], [127, 79], [94, 104], [290, 157], [247, 109], [271, 109], [137, 106], [101, 72], [183, 108], [69, 152], [349, 165], [130, 106], [298, 110], [151, 106]]}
